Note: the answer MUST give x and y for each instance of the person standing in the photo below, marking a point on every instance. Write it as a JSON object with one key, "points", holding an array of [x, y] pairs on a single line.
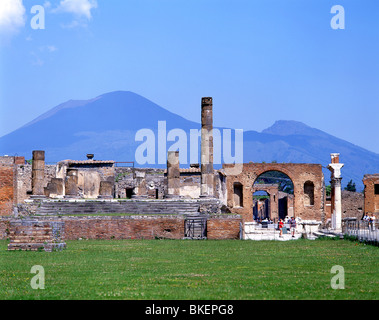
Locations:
{"points": [[293, 226], [281, 224]]}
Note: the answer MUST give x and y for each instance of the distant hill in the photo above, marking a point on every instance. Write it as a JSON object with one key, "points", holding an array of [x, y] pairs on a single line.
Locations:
{"points": [[106, 126]]}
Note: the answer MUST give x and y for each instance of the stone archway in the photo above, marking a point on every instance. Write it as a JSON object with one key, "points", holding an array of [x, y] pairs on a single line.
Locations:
{"points": [[299, 173], [273, 192]]}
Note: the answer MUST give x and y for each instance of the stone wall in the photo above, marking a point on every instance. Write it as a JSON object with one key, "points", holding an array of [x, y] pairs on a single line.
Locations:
{"points": [[10, 160], [352, 204], [153, 182], [4, 228], [24, 180], [138, 181]]}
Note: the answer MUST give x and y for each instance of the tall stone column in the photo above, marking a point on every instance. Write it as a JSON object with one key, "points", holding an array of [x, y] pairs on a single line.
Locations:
{"points": [[173, 175], [335, 169], [38, 174], [207, 173]]}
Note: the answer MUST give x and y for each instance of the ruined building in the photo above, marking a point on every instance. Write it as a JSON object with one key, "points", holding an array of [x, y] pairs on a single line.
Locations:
{"points": [[100, 186]]}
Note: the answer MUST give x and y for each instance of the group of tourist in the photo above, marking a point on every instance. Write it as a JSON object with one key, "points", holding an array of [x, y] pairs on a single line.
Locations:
{"points": [[370, 220], [288, 220], [292, 222]]}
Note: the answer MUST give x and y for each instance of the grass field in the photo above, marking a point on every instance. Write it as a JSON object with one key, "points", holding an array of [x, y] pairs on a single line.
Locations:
{"points": [[185, 269]]}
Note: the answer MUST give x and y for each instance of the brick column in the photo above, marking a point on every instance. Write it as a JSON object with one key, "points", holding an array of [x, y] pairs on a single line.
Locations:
{"points": [[173, 175], [38, 174], [207, 173]]}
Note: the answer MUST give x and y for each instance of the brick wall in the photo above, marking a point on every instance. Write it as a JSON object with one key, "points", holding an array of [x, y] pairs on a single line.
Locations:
{"points": [[129, 227], [7, 192], [223, 228], [136, 227], [371, 200]]}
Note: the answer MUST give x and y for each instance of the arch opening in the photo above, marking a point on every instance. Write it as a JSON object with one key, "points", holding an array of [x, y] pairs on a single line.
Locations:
{"points": [[279, 198]]}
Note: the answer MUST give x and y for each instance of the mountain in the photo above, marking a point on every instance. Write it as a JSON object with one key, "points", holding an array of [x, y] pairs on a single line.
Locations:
{"points": [[107, 126]]}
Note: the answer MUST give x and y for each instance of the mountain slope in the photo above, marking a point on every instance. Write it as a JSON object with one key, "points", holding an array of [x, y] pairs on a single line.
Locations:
{"points": [[107, 125]]}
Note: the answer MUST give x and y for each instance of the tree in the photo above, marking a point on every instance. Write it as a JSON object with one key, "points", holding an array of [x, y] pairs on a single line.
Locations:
{"points": [[328, 190], [351, 186]]}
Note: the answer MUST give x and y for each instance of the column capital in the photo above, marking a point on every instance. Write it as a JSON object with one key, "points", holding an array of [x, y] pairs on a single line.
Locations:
{"points": [[336, 182]]}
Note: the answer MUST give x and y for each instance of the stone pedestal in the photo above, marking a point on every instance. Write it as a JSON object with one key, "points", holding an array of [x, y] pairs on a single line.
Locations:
{"points": [[207, 172]]}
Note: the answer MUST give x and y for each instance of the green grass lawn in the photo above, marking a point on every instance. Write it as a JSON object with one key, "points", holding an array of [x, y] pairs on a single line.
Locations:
{"points": [[185, 269]]}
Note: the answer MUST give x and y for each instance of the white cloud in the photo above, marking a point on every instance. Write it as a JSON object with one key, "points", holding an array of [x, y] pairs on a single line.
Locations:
{"points": [[48, 48], [80, 8], [12, 16], [51, 48], [47, 4]]}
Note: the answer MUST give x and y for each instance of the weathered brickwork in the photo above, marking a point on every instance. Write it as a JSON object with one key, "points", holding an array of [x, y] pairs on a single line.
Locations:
{"points": [[36, 235], [223, 228], [131, 227], [7, 189], [371, 204], [301, 175]]}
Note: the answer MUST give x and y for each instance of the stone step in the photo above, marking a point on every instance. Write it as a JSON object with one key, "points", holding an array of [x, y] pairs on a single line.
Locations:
{"points": [[62, 208], [31, 241]]}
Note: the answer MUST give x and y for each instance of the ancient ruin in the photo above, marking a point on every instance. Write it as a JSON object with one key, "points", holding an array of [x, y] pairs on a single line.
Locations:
{"points": [[169, 202]]}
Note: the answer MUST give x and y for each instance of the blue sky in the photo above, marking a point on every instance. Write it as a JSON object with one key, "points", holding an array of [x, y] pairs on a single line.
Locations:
{"points": [[261, 61]]}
